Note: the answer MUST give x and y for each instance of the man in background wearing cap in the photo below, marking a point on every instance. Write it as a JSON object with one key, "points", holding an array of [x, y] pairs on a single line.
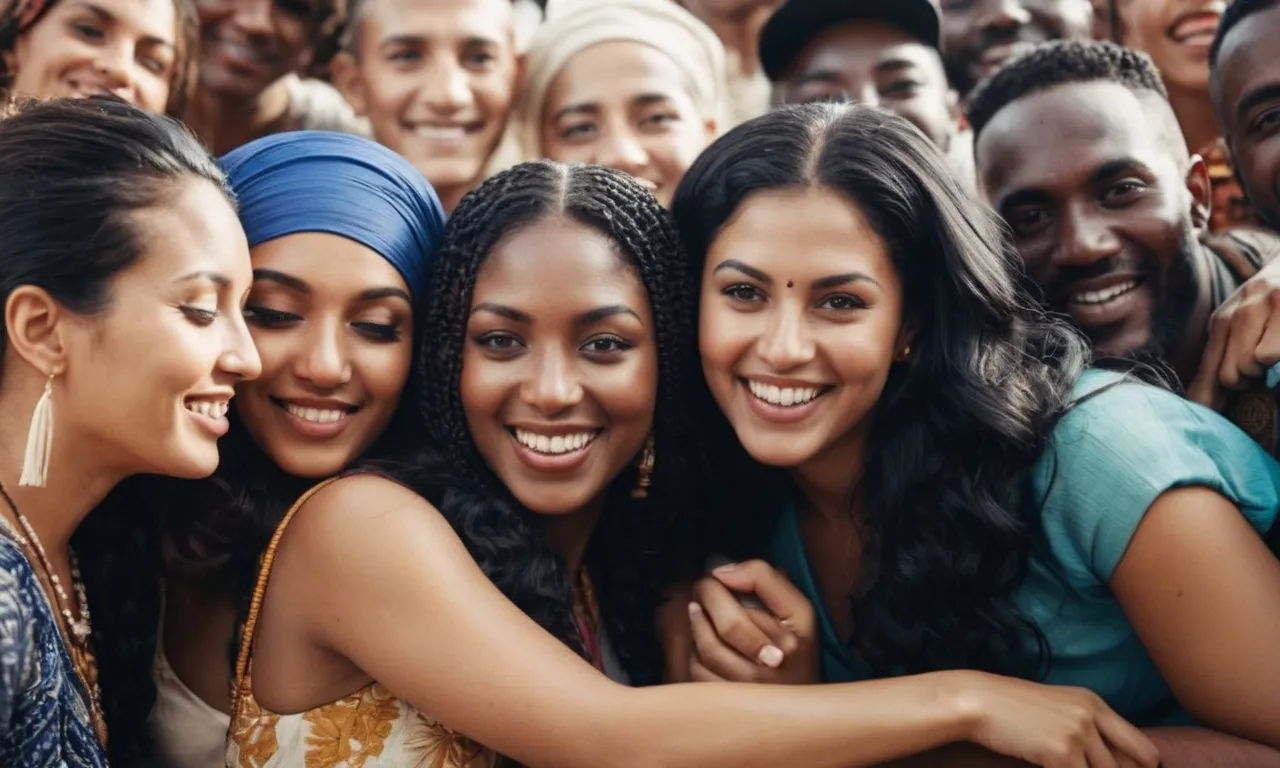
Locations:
{"points": [[880, 52]]}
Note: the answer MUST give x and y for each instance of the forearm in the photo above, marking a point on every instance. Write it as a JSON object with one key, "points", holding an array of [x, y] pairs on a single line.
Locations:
{"points": [[732, 725], [1205, 748], [957, 756]]}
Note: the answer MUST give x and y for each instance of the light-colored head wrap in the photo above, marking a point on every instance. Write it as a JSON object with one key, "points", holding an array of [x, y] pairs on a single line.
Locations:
{"points": [[572, 26]]}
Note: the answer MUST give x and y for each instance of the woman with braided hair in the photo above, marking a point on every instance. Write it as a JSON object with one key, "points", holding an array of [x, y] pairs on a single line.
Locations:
{"points": [[140, 50], [556, 356]]}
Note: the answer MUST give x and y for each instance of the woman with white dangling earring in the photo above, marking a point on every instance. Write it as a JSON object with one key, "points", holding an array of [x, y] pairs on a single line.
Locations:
{"points": [[122, 271]]}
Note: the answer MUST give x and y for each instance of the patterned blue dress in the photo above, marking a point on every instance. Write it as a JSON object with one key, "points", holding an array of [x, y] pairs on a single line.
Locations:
{"points": [[44, 712]]}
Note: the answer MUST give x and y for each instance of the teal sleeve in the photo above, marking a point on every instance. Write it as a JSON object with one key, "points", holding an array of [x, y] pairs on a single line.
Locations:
{"points": [[1122, 445]]}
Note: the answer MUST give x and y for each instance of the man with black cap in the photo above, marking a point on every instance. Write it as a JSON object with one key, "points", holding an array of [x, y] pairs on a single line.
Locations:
{"points": [[881, 52]]}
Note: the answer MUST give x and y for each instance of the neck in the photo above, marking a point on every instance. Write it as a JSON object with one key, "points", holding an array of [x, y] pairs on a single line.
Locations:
{"points": [[77, 482], [1185, 357], [829, 481], [568, 535], [1194, 111], [451, 196], [225, 123]]}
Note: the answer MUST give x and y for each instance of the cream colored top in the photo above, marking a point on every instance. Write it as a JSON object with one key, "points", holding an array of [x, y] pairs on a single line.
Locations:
{"points": [[189, 733]]}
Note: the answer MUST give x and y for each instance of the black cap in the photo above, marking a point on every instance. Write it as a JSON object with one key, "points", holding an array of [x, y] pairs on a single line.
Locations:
{"points": [[797, 22]]}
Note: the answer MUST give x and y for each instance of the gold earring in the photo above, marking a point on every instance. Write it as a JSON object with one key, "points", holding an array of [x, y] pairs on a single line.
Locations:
{"points": [[35, 462], [645, 477], [905, 354]]}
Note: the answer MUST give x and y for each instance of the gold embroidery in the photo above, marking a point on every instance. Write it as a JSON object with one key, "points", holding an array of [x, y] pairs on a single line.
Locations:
{"points": [[253, 731], [352, 731], [429, 744]]}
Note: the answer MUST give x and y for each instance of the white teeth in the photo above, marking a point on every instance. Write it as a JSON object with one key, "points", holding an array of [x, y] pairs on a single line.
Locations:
{"points": [[315, 415], [787, 397], [207, 408], [554, 445], [1105, 295]]}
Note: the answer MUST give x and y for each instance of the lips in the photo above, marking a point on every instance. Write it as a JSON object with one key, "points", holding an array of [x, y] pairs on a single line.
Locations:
{"points": [[1100, 302], [1195, 29]]}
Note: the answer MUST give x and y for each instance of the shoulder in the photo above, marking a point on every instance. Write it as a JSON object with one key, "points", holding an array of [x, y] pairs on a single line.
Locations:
{"points": [[1120, 445], [19, 633]]}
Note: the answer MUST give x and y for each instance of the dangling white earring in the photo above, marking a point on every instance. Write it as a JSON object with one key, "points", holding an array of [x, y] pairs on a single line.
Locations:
{"points": [[35, 464]]}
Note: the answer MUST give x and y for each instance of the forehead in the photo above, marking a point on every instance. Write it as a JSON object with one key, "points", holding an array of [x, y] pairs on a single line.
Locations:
{"points": [[558, 261], [329, 264], [441, 19], [612, 72], [1059, 137], [154, 19], [1247, 60], [860, 46], [195, 229]]}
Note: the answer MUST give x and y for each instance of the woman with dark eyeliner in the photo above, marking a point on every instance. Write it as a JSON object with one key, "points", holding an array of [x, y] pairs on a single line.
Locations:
{"points": [[929, 462]]}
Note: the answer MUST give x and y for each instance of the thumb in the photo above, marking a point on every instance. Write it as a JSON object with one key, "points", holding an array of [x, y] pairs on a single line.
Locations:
{"points": [[774, 589], [1204, 388]]}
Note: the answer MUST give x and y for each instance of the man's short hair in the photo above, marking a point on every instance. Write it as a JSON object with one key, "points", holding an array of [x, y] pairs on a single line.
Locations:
{"points": [[1237, 11]]}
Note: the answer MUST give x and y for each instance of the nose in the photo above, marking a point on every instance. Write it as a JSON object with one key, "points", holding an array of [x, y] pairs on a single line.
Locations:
{"points": [[239, 354], [1085, 238], [1005, 14], [621, 150], [447, 88], [115, 63], [785, 344], [553, 387], [323, 361], [863, 93], [253, 17]]}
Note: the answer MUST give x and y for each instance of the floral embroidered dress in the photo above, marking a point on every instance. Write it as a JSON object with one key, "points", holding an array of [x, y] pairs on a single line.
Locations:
{"points": [[370, 728], [44, 710]]}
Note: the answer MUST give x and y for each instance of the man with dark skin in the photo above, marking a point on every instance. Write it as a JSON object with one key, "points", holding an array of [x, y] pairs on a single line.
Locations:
{"points": [[879, 52], [980, 35], [1079, 151]]}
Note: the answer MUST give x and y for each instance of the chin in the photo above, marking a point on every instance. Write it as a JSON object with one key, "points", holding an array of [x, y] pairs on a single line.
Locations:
{"points": [[312, 467], [767, 451], [551, 502], [192, 464]]}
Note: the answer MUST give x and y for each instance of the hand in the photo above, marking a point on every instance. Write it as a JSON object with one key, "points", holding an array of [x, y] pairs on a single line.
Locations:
{"points": [[1244, 340], [739, 644], [675, 635], [1049, 725]]}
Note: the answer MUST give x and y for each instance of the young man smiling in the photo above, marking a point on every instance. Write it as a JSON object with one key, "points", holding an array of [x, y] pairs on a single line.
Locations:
{"points": [[1080, 152]]}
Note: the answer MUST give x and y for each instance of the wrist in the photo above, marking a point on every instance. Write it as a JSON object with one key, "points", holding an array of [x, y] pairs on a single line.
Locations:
{"points": [[960, 694]]}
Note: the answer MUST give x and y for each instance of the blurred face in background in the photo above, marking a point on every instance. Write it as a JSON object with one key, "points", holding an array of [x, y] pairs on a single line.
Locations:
{"points": [[246, 45]]}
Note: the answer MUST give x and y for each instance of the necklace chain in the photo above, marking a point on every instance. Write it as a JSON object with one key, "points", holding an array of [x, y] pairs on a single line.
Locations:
{"points": [[79, 632]]}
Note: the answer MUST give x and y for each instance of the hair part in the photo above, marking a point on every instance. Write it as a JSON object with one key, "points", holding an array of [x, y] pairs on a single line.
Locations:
{"points": [[73, 174], [947, 529], [1063, 62]]}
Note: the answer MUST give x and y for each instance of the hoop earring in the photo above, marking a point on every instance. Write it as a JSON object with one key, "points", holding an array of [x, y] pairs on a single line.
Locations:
{"points": [[35, 462], [645, 477]]}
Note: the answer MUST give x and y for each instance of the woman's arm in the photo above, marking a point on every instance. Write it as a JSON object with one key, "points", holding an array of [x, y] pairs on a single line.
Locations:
{"points": [[1203, 593], [370, 571]]}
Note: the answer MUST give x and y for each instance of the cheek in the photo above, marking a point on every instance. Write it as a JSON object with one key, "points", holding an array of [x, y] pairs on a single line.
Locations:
{"points": [[484, 385], [723, 337], [153, 94], [384, 370], [493, 94], [674, 153]]}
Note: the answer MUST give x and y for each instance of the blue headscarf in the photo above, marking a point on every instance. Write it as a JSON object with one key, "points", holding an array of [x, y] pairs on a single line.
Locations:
{"points": [[315, 181]]}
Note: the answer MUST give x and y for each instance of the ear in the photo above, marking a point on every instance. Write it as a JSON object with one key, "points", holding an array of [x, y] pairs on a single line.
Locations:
{"points": [[955, 111], [906, 338], [35, 324], [1119, 22], [11, 60], [1201, 197], [345, 73]]}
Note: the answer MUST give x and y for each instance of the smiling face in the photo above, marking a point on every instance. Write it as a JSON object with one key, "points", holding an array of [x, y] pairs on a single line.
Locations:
{"points": [[171, 345], [880, 65], [1092, 179], [82, 48], [625, 105], [1176, 34], [560, 366], [801, 320], [333, 323], [246, 45], [436, 80], [980, 35], [1247, 102]]}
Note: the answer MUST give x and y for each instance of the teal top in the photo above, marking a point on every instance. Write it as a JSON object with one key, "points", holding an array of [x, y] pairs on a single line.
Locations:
{"points": [[1109, 458]]}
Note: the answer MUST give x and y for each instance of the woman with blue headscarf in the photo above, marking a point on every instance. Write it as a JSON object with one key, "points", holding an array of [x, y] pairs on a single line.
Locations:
{"points": [[342, 234]]}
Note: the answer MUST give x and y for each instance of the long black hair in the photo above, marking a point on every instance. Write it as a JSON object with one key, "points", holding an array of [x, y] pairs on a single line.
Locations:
{"points": [[635, 546], [959, 425], [73, 173]]}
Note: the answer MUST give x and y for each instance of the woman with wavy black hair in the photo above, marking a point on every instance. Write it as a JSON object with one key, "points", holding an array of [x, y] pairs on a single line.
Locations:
{"points": [[557, 355], [952, 488]]}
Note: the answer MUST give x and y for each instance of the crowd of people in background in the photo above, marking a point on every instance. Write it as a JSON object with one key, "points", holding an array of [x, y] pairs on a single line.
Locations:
{"points": [[477, 383]]}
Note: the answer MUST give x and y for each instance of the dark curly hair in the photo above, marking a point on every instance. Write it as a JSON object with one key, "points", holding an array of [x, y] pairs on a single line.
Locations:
{"points": [[1236, 12], [1060, 63], [634, 550], [959, 425], [186, 42], [73, 173]]}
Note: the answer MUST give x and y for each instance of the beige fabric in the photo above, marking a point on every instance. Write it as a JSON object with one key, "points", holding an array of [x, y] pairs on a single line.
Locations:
{"points": [[572, 26], [317, 106], [188, 732]]}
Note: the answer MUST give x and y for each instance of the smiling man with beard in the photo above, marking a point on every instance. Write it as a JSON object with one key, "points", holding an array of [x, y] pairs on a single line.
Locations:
{"points": [[1079, 151], [980, 35]]}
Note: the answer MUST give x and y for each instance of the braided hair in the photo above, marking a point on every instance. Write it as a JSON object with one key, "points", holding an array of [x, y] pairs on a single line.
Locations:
{"points": [[631, 552], [17, 17]]}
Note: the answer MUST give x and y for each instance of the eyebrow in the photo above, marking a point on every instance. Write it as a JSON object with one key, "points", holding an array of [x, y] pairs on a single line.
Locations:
{"points": [[471, 41], [1102, 173], [1257, 95], [204, 274], [288, 281], [591, 108], [821, 283], [514, 315], [108, 16], [586, 318]]}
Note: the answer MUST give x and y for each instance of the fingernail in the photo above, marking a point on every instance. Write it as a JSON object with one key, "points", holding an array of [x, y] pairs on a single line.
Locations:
{"points": [[694, 609], [770, 656], [727, 567]]}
